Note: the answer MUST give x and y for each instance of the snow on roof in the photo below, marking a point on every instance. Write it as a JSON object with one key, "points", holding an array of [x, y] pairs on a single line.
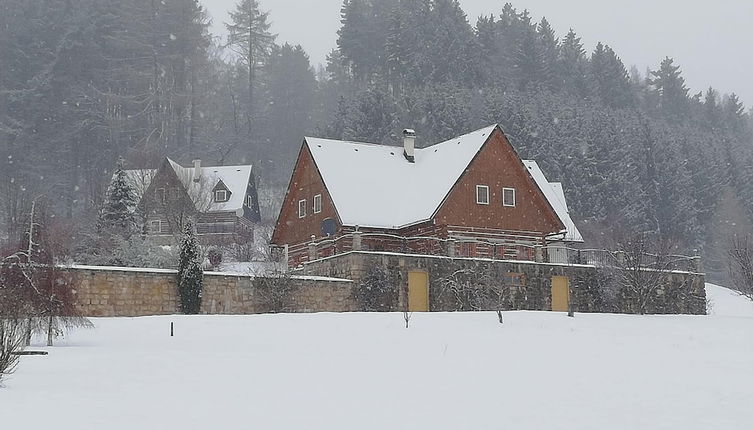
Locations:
{"points": [[235, 178], [556, 197], [375, 186]]}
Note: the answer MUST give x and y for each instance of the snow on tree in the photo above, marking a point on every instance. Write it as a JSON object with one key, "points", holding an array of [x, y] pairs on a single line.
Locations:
{"points": [[190, 273], [117, 215]]}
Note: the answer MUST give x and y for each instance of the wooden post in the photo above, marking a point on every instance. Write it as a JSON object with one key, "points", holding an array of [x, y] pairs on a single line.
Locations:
{"points": [[451, 247], [538, 252], [697, 264], [171, 329], [312, 249]]}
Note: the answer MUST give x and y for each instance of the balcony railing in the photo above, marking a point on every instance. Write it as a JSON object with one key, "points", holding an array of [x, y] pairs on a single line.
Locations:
{"points": [[501, 248]]}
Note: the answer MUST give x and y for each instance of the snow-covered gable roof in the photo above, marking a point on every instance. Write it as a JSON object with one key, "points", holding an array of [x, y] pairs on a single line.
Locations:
{"points": [[374, 186], [556, 197], [235, 178]]}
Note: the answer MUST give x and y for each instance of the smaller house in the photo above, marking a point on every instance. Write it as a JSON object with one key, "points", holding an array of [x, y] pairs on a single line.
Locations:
{"points": [[222, 201]]}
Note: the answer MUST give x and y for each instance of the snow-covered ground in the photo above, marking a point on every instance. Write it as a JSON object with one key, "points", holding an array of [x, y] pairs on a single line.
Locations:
{"points": [[345, 371]]}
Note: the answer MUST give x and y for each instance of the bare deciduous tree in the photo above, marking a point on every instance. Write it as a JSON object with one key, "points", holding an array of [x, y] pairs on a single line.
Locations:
{"points": [[740, 264], [642, 273]]}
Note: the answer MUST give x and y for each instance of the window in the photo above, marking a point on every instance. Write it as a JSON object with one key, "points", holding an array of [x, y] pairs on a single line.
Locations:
{"points": [[159, 195], [220, 196], [317, 203], [249, 201], [508, 197], [301, 208], [155, 226], [482, 194]]}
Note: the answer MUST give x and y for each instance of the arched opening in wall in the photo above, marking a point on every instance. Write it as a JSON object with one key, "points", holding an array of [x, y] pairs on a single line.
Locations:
{"points": [[328, 227]]}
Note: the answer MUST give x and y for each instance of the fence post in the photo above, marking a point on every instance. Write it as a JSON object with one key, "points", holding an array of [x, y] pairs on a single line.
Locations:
{"points": [[312, 249], [451, 247], [357, 241], [697, 264], [538, 252]]}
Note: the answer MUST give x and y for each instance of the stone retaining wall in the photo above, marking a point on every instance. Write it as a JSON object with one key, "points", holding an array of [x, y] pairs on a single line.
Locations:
{"points": [[527, 285], [122, 292]]}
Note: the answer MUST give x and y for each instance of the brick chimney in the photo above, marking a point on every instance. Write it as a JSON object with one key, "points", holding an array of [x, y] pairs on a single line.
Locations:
{"points": [[196, 170], [409, 145]]}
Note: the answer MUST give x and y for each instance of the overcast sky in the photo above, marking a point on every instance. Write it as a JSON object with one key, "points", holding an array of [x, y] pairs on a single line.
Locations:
{"points": [[711, 41]]}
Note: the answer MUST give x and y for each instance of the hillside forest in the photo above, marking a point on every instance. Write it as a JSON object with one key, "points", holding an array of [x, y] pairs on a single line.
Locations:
{"points": [[82, 86]]}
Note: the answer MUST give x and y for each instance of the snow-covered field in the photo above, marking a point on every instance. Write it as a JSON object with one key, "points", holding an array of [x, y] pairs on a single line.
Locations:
{"points": [[353, 371]]}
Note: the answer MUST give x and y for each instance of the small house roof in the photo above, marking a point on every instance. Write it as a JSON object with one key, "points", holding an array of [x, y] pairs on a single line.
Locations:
{"points": [[235, 178]]}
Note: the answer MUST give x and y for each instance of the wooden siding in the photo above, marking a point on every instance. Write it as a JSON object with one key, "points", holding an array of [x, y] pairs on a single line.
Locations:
{"points": [[305, 183], [498, 166]]}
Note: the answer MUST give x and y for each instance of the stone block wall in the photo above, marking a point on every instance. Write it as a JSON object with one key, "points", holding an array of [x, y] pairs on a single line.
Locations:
{"points": [[526, 284], [122, 292]]}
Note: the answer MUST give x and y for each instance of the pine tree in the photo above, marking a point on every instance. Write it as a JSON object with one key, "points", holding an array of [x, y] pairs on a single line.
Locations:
{"points": [[673, 94], [608, 78], [550, 51], [249, 37], [573, 65], [190, 273], [117, 215]]}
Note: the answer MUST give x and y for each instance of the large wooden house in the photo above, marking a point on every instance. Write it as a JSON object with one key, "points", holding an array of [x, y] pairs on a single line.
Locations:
{"points": [[469, 196], [221, 201]]}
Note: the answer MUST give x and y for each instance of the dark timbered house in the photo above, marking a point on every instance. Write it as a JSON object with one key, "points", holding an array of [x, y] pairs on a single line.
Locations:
{"points": [[221, 201]]}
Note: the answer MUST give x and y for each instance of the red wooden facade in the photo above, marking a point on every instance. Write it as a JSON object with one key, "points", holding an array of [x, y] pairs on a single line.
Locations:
{"points": [[490, 230]]}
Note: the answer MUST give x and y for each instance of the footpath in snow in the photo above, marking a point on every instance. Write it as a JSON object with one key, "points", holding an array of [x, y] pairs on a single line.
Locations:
{"points": [[344, 371]]}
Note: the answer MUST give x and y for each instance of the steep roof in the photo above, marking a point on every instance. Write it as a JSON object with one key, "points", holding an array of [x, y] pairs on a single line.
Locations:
{"points": [[235, 179], [373, 185]]}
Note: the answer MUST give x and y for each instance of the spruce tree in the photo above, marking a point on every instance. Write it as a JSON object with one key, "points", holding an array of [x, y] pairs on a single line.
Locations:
{"points": [[672, 90], [117, 216], [249, 37], [190, 273]]}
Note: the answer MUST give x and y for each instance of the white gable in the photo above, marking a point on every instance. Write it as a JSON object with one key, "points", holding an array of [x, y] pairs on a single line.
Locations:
{"points": [[375, 186], [556, 197]]}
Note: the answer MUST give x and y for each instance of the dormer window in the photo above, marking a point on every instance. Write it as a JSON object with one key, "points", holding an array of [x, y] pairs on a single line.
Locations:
{"points": [[221, 192]]}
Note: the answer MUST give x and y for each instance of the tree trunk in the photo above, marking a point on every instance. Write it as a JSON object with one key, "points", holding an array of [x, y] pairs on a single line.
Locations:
{"points": [[50, 330]]}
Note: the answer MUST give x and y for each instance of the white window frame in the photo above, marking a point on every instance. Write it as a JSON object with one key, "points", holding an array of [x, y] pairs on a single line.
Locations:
{"points": [[224, 196], [152, 224], [317, 203], [478, 195], [514, 199], [249, 200], [301, 208]]}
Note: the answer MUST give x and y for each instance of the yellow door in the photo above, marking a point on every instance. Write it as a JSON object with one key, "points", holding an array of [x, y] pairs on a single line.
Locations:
{"points": [[418, 291], [560, 293]]}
